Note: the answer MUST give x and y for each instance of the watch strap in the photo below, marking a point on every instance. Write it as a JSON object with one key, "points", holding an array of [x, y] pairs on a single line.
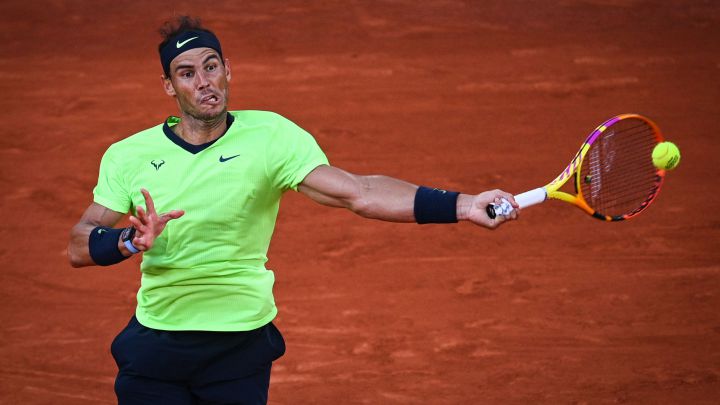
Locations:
{"points": [[126, 237], [131, 247]]}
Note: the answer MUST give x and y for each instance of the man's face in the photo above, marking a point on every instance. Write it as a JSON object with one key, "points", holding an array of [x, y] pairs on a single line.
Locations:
{"points": [[199, 82]]}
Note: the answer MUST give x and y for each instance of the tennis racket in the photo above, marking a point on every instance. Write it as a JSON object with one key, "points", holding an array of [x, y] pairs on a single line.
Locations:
{"points": [[613, 172]]}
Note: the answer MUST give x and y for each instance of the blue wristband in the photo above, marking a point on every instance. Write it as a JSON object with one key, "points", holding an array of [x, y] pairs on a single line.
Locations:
{"points": [[435, 206], [103, 246]]}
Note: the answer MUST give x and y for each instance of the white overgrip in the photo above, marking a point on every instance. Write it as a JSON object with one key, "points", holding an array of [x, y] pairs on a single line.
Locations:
{"points": [[531, 197]]}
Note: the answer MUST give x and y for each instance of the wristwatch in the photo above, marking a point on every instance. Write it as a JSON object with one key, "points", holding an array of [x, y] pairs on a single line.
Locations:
{"points": [[126, 237]]}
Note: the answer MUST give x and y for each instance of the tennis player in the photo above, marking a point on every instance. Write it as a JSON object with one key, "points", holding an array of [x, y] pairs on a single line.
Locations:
{"points": [[203, 191]]}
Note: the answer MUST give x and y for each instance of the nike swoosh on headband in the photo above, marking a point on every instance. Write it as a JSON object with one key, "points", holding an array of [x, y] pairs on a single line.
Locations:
{"points": [[179, 44]]}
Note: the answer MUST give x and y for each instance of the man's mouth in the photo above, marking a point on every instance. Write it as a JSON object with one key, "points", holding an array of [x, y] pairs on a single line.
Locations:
{"points": [[209, 99]]}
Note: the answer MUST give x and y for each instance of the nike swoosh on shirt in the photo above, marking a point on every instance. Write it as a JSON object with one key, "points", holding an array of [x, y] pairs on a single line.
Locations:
{"points": [[179, 44], [225, 159]]}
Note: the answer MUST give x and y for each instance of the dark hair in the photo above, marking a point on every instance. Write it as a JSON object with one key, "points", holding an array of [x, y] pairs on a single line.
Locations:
{"points": [[180, 24]]}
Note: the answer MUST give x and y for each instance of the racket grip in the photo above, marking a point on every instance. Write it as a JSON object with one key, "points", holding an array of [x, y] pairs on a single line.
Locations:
{"points": [[524, 200]]}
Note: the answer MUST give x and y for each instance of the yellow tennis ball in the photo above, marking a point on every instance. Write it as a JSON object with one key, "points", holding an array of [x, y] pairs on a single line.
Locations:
{"points": [[666, 155]]}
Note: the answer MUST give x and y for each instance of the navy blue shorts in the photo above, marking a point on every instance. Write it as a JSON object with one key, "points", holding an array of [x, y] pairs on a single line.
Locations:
{"points": [[194, 367]]}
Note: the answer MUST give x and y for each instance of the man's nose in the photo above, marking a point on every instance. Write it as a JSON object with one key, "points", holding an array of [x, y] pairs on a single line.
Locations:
{"points": [[201, 80]]}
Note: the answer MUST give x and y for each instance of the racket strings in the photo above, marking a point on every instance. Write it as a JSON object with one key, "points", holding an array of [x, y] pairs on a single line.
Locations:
{"points": [[614, 194], [617, 176], [627, 164], [625, 200]]}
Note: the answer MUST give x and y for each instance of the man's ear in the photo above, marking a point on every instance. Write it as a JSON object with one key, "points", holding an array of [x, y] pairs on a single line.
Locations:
{"points": [[167, 86], [228, 73]]}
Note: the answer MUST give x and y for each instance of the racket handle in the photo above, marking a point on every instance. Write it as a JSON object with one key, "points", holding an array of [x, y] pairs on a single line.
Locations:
{"points": [[524, 200]]}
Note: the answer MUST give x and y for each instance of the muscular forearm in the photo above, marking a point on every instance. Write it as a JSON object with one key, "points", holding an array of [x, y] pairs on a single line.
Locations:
{"points": [[385, 198], [378, 197], [391, 199], [78, 252]]}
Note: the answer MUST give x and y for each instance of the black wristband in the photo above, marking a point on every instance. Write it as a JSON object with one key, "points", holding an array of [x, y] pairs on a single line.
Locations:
{"points": [[103, 246], [435, 206]]}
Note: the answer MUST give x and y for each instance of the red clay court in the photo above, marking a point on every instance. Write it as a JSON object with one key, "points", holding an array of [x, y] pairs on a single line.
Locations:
{"points": [[557, 308]]}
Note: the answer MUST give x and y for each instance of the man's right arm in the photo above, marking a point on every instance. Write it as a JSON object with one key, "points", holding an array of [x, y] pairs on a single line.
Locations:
{"points": [[95, 215]]}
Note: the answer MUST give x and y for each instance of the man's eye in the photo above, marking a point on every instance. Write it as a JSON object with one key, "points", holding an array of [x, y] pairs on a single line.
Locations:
{"points": [[211, 68], [187, 75]]}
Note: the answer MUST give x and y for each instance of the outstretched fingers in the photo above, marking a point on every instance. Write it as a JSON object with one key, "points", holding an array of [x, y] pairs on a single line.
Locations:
{"points": [[168, 216], [141, 214], [148, 201]]}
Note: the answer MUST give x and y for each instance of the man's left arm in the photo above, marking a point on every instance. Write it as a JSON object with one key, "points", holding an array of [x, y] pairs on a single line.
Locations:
{"points": [[389, 199]]}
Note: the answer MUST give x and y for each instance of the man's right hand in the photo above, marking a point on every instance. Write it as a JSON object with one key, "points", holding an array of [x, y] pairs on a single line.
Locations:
{"points": [[473, 208]]}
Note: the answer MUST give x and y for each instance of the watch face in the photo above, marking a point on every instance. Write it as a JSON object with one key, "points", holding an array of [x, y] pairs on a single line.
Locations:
{"points": [[127, 234]]}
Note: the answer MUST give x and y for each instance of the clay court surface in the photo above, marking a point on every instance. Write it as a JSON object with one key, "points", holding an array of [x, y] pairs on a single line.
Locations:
{"points": [[557, 308]]}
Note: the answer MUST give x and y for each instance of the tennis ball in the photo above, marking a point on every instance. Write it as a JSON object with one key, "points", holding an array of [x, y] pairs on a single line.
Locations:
{"points": [[666, 155]]}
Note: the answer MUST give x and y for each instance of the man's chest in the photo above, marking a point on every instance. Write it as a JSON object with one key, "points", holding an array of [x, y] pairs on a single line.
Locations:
{"points": [[221, 177]]}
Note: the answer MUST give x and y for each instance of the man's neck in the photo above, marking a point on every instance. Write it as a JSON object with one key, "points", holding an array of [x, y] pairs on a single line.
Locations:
{"points": [[198, 132]]}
